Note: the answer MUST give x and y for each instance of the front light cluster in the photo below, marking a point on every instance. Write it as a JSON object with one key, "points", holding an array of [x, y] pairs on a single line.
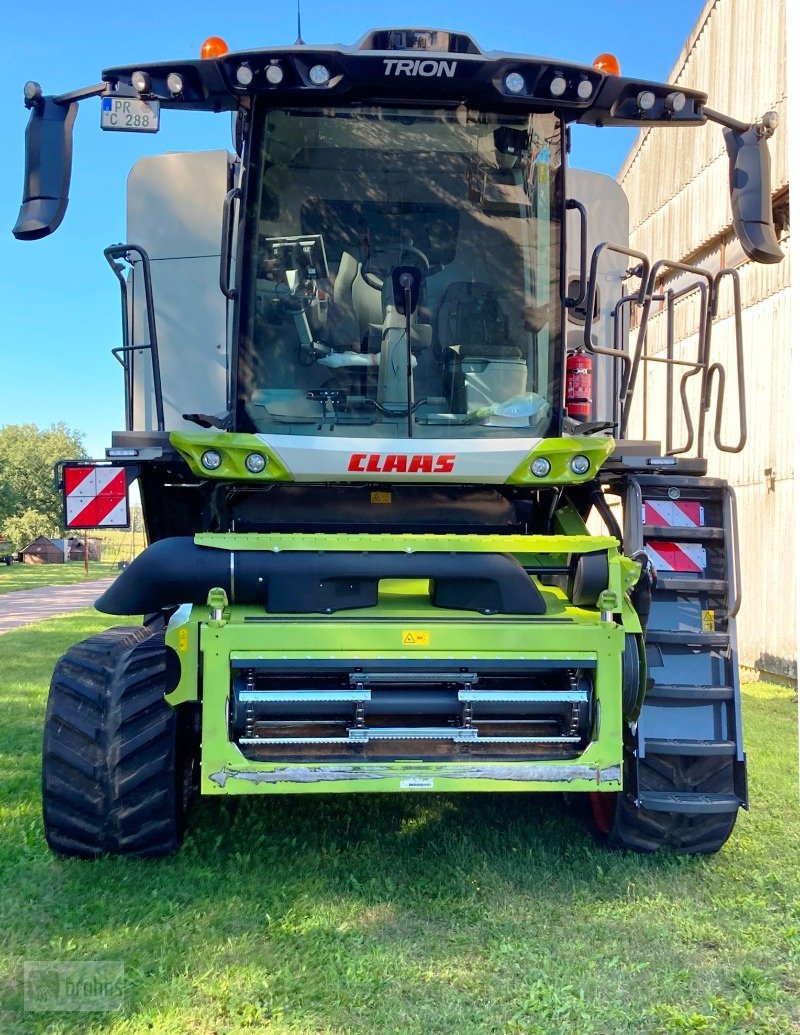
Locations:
{"points": [[578, 465], [255, 463]]}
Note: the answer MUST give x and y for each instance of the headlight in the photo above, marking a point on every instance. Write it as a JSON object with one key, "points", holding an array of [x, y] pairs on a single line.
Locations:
{"points": [[514, 82], [255, 463], [140, 81], [319, 75], [580, 464], [244, 75], [540, 467], [211, 459], [175, 83], [274, 74]]}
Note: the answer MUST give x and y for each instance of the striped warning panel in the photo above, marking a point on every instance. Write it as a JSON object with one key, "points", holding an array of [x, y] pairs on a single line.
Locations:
{"points": [[95, 497], [687, 558], [673, 513]]}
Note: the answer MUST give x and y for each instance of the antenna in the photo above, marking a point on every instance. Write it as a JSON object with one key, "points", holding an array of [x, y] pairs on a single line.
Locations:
{"points": [[299, 42]]}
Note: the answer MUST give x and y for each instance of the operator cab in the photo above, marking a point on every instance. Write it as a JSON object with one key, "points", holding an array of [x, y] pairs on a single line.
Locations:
{"points": [[343, 197]]}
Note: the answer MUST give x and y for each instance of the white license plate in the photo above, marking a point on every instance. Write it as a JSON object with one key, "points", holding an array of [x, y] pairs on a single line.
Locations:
{"points": [[129, 114]]}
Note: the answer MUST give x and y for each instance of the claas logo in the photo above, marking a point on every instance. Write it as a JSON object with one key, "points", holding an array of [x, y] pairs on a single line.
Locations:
{"points": [[400, 463]]}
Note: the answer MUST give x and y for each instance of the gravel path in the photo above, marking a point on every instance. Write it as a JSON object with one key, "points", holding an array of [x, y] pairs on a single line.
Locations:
{"points": [[32, 605]]}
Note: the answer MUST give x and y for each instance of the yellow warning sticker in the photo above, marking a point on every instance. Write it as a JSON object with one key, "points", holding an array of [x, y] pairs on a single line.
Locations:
{"points": [[708, 621], [380, 497], [415, 638], [183, 640]]}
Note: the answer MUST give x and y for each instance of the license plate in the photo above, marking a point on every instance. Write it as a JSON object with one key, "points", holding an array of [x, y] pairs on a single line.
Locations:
{"points": [[129, 114]]}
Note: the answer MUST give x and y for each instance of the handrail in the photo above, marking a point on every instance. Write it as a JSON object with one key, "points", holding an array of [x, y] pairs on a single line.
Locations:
{"points": [[226, 246], [569, 302], [648, 293], [695, 366], [718, 370], [112, 254], [122, 355], [642, 272], [732, 565]]}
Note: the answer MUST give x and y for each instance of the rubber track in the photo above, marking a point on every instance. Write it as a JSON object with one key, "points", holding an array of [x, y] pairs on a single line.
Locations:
{"points": [[640, 830], [109, 753]]}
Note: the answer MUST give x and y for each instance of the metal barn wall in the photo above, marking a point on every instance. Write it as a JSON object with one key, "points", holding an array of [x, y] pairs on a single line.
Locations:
{"points": [[677, 185]]}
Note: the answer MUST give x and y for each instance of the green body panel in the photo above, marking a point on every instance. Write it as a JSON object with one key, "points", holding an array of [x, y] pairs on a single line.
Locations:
{"points": [[520, 546], [235, 446], [461, 635], [183, 636], [559, 451]]}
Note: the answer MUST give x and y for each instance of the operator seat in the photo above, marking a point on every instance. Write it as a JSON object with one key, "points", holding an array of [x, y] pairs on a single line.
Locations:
{"points": [[482, 365], [345, 323]]}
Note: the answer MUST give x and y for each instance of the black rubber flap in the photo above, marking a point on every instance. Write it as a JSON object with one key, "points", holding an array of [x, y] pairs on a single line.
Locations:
{"points": [[178, 571]]}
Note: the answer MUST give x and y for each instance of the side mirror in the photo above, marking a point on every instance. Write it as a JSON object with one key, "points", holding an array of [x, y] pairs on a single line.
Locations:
{"points": [[48, 165], [751, 199]]}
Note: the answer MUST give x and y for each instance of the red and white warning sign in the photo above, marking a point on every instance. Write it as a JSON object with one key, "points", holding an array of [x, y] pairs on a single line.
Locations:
{"points": [[687, 558], [95, 497], [673, 513]]}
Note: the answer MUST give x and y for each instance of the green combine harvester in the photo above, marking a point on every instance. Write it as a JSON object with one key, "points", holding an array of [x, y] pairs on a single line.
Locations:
{"points": [[377, 399]]}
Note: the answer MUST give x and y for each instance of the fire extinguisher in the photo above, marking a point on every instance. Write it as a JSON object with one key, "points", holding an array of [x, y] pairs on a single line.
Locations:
{"points": [[579, 385]]}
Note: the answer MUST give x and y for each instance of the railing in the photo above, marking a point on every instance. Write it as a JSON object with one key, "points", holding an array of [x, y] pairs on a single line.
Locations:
{"points": [[627, 366], [116, 255]]}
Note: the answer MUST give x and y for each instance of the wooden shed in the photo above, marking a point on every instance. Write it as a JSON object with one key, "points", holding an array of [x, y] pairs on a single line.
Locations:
{"points": [[43, 551], [94, 548]]}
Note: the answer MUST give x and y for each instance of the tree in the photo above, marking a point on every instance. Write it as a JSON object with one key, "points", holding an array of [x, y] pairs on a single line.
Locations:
{"points": [[29, 504]]}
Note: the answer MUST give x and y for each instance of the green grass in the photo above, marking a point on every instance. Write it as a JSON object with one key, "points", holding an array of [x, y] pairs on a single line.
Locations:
{"points": [[33, 576], [405, 914]]}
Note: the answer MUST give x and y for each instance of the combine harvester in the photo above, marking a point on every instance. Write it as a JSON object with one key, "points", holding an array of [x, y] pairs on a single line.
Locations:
{"points": [[376, 383]]}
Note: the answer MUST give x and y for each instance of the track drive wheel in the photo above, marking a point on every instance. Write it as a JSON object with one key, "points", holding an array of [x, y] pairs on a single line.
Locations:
{"points": [[117, 764], [620, 824]]}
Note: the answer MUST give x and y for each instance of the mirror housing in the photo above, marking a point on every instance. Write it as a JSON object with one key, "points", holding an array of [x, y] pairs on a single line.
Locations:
{"points": [[751, 199], [48, 166], [406, 279]]}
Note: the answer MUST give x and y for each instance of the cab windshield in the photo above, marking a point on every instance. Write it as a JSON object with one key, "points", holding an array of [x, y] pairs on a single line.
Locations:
{"points": [[401, 274]]}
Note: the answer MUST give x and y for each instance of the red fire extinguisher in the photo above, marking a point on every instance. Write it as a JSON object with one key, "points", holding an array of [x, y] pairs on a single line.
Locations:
{"points": [[579, 385]]}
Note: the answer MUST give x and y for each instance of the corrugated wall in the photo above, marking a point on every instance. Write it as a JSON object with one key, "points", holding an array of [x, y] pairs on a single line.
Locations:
{"points": [[677, 184]]}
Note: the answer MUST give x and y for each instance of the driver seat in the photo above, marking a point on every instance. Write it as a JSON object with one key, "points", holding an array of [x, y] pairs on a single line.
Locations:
{"points": [[482, 365], [348, 326]]}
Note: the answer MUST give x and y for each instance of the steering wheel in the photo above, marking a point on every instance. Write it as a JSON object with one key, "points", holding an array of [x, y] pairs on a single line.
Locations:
{"points": [[373, 272]]}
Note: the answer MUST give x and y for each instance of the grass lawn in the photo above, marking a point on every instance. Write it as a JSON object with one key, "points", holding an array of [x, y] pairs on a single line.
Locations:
{"points": [[32, 576], [414, 914]]}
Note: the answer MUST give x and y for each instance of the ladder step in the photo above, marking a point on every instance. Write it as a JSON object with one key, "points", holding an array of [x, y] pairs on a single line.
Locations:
{"points": [[690, 585], [688, 803], [689, 747], [683, 535], [698, 694], [687, 638]]}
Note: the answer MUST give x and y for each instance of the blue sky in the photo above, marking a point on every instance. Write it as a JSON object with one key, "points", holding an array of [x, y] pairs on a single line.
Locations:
{"points": [[59, 299]]}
